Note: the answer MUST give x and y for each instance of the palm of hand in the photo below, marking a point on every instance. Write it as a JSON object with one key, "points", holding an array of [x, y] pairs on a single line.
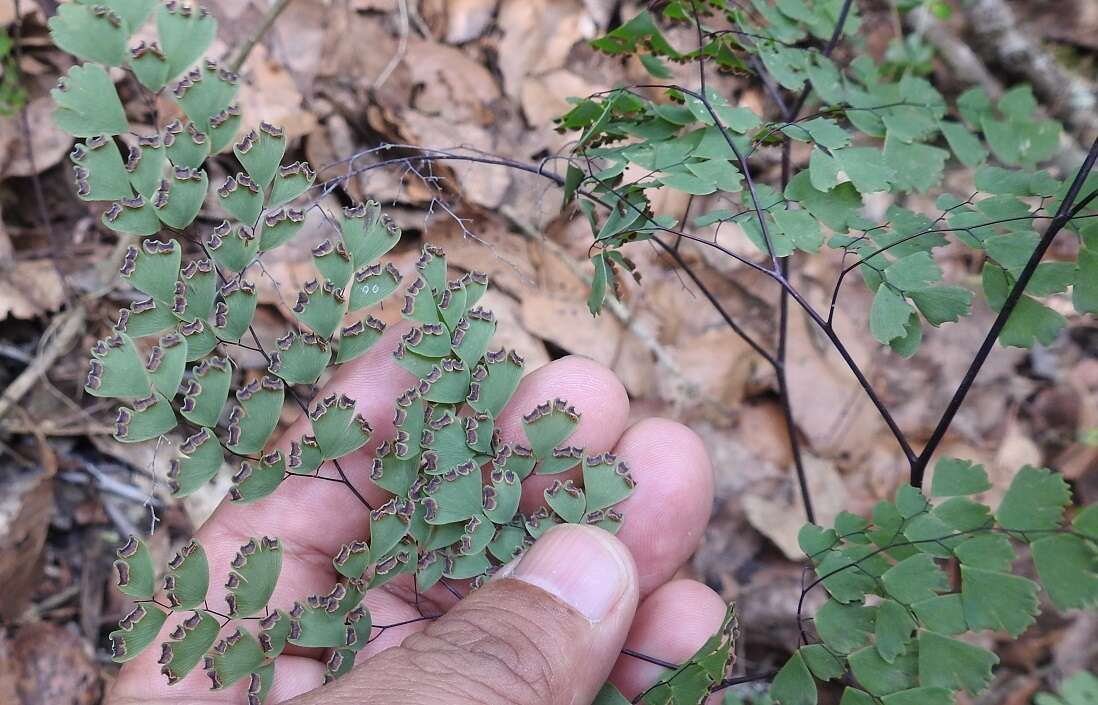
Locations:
{"points": [[664, 520]]}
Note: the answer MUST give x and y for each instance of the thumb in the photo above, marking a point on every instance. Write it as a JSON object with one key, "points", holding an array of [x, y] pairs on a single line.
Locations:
{"points": [[546, 631]]}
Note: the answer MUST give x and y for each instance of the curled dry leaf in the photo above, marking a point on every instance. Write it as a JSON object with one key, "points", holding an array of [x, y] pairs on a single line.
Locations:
{"points": [[31, 288]]}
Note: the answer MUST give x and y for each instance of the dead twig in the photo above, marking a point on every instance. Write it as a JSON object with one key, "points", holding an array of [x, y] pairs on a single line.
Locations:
{"points": [[402, 47], [57, 340], [968, 67], [264, 26], [995, 27]]}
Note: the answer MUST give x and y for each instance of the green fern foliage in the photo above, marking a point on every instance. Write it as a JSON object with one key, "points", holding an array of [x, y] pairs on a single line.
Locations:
{"points": [[894, 626], [169, 362], [872, 131], [905, 587]]}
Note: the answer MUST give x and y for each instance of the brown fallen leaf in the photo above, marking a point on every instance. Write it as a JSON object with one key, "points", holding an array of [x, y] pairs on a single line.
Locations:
{"points": [[29, 289], [467, 19], [500, 254], [538, 36], [543, 96], [451, 84], [780, 516], [716, 363], [50, 665], [569, 325], [483, 185], [831, 409], [26, 502], [270, 92], [48, 143]]}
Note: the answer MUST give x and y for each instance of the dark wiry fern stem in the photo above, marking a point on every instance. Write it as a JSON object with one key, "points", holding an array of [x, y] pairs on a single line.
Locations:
{"points": [[1063, 215]]}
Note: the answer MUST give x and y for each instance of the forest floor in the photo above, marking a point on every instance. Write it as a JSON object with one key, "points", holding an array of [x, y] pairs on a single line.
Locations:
{"points": [[343, 76]]}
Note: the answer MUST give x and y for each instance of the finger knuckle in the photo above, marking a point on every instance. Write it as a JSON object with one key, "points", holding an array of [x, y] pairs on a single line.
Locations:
{"points": [[496, 658]]}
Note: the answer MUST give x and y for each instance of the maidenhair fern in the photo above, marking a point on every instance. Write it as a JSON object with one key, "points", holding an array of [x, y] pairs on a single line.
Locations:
{"points": [[895, 625], [873, 132], [1080, 689], [169, 360]]}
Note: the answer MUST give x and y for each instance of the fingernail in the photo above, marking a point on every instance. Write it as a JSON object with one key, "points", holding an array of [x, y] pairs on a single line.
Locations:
{"points": [[584, 567]]}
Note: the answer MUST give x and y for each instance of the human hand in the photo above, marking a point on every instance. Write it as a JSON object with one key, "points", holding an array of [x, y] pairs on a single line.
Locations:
{"points": [[548, 628]]}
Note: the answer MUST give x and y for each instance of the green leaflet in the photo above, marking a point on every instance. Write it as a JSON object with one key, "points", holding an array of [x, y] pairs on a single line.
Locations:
{"points": [[606, 481], [251, 582], [794, 684], [1068, 568], [204, 92], [352, 559], [232, 315], [549, 425], [1030, 322], [494, 380], [205, 393], [566, 500], [253, 419], [368, 233], [178, 198], [356, 339], [279, 227], [372, 284], [943, 614], [994, 600], [136, 631], [1035, 500], [953, 477], [233, 247], [134, 12], [165, 364], [145, 165], [952, 664], [455, 495], [256, 480], [87, 104], [337, 427], [290, 181], [866, 168], [241, 197], [146, 418], [235, 657], [823, 664], [915, 579], [260, 151], [185, 145], [333, 262], [990, 551], [893, 630], [320, 307], [188, 577], [149, 65], [223, 127], [300, 359], [98, 169], [880, 677], [116, 369], [134, 569], [199, 459], [889, 315], [185, 34], [188, 643]]}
